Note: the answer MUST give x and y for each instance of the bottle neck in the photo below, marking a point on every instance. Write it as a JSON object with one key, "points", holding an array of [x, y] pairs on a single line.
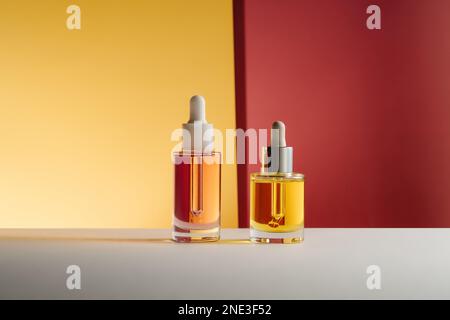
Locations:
{"points": [[277, 160]]}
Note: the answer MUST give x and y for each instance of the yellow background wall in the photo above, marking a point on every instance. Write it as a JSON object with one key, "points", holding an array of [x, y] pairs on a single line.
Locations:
{"points": [[86, 115]]}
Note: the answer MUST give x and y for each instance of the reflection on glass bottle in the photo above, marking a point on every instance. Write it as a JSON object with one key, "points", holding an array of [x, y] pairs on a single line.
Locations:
{"points": [[277, 194]]}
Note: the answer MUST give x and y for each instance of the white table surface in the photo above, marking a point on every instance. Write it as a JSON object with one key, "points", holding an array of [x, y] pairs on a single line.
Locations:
{"points": [[143, 264]]}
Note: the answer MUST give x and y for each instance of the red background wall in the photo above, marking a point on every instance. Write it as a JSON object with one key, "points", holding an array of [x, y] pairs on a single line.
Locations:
{"points": [[367, 112]]}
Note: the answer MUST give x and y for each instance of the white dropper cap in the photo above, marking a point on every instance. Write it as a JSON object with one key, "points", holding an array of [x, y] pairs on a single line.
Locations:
{"points": [[278, 157], [278, 134], [198, 134]]}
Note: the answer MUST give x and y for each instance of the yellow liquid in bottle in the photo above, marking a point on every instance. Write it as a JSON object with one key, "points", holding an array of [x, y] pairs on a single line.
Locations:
{"points": [[277, 207]]}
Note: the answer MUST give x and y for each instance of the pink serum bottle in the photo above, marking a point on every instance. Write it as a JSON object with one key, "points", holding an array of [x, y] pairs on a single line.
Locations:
{"points": [[197, 180]]}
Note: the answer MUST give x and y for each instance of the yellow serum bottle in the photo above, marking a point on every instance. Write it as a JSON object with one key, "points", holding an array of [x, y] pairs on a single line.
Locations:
{"points": [[277, 194]]}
